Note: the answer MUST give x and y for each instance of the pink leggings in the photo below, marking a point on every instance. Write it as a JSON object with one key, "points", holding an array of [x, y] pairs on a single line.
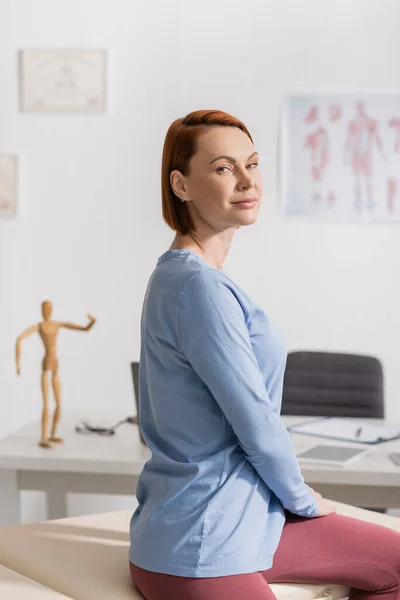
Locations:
{"points": [[332, 549]]}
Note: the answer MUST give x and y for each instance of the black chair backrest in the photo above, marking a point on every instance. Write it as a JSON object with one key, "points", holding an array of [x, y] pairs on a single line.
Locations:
{"points": [[333, 385], [135, 379]]}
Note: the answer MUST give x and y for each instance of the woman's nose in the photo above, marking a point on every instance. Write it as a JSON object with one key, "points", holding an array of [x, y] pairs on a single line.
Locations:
{"points": [[246, 180]]}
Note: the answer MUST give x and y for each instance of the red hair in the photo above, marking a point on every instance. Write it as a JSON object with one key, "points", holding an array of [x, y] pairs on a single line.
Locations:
{"points": [[179, 146]]}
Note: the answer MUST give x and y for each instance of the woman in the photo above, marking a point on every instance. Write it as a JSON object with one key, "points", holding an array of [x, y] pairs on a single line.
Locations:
{"points": [[223, 509]]}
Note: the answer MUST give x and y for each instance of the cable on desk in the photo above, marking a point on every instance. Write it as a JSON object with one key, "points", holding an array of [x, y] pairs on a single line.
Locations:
{"points": [[86, 428]]}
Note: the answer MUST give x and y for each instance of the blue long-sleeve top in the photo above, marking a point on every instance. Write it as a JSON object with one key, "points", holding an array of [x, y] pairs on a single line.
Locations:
{"points": [[212, 497]]}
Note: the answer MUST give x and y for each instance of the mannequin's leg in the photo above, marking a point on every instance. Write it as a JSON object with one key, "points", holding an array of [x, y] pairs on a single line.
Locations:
{"points": [[45, 415], [57, 398]]}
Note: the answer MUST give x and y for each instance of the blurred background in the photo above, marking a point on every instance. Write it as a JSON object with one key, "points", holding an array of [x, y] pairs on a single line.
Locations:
{"points": [[89, 228]]}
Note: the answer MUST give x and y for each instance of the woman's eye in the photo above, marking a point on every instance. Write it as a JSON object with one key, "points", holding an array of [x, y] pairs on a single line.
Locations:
{"points": [[219, 169]]}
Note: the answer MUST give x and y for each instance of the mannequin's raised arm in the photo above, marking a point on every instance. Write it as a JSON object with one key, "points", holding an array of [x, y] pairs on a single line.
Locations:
{"points": [[92, 321], [22, 336]]}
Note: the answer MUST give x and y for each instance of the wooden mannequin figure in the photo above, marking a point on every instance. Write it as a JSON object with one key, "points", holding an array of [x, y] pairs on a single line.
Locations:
{"points": [[48, 331]]}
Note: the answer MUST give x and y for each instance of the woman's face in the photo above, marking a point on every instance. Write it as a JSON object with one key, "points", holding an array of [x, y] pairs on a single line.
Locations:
{"points": [[215, 185]]}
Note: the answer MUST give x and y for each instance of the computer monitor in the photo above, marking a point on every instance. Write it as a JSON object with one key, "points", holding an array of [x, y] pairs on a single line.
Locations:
{"points": [[135, 378]]}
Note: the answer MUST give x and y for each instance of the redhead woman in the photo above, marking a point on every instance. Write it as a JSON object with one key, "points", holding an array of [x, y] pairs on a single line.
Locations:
{"points": [[223, 509]]}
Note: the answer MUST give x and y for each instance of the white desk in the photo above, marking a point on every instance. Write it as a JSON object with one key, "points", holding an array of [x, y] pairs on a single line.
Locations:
{"points": [[110, 465]]}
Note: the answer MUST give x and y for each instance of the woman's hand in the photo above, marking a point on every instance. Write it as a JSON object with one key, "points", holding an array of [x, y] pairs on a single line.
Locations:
{"points": [[324, 506]]}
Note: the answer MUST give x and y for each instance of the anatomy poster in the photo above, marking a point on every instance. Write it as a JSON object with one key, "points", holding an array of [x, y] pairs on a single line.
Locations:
{"points": [[341, 157]]}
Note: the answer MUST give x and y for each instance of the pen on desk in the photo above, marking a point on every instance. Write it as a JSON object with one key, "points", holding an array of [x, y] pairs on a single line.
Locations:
{"points": [[358, 432]]}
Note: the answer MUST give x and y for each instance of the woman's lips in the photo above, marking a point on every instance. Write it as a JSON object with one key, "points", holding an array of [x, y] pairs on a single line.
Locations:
{"points": [[246, 204]]}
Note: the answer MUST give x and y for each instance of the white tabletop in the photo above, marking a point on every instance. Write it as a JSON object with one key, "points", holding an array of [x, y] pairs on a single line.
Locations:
{"points": [[124, 454], [374, 468]]}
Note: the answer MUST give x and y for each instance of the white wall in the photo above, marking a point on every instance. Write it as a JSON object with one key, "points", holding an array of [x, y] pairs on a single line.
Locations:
{"points": [[92, 230]]}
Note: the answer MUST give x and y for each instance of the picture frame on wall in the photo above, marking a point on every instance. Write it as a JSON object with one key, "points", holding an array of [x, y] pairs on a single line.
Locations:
{"points": [[8, 185], [340, 157], [64, 80]]}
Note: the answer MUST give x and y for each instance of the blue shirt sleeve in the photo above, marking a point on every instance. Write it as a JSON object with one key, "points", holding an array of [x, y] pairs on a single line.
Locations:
{"points": [[215, 339]]}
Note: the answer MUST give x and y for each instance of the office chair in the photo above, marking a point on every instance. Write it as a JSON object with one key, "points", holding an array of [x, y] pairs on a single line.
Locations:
{"points": [[329, 384], [332, 385]]}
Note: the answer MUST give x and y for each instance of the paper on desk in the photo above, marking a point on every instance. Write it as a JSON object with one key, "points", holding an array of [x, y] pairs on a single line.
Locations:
{"points": [[344, 429]]}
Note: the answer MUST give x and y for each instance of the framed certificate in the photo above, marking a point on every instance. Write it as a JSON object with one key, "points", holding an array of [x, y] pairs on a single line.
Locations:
{"points": [[8, 185], [64, 80]]}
